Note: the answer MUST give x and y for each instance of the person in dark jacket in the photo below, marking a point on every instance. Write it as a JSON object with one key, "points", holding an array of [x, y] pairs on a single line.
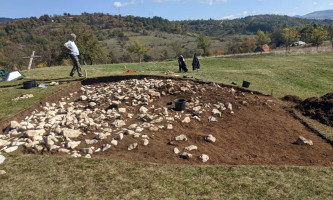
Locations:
{"points": [[195, 63], [182, 64]]}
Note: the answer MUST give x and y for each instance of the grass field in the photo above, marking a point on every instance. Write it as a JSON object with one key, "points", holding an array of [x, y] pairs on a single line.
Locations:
{"points": [[48, 177]]}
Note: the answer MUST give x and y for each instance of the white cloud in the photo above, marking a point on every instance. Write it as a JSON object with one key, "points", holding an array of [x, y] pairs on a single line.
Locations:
{"points": [[122, 4], [315, 3], [331, 4], [212, 2], [243, 14]]}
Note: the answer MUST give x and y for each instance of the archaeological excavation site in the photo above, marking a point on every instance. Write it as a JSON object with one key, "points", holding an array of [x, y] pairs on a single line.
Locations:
{"points": [[165, 120]]}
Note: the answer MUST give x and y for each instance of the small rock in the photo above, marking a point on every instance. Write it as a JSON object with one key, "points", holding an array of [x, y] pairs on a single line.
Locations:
{"points": [[186, 155], [87, 156], [143, 110], [122, 110], [83, 98], [210, 138], [11, 149], [228, 105], [212, 119], [176, 150], [87, 150], [71, 133], [132, 146], [106, 147], [169, 126], [204, 157], [73, 144], [181, 137], [2, 159], [216, 112], [114, 142], [32, 133], [145, 142], [191, 147], [62, 150], [186, 120], [119, 137], [2, 172], [92, 104], [302, 140]]}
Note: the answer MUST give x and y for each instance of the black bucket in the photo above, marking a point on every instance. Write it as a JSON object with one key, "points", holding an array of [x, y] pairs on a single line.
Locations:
{"points": [[180, 104], [29, 84], [246, 84]]}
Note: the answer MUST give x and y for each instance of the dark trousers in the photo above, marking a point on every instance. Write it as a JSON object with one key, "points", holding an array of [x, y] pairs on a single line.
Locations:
{"points": [[76, 65]]}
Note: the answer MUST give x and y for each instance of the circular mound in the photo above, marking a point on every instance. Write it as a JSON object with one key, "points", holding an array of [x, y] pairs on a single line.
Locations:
{"points": [[136, 119], [320, 109]]}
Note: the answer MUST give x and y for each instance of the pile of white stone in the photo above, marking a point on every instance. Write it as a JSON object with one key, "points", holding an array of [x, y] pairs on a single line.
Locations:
{"points": [[106, 114]]}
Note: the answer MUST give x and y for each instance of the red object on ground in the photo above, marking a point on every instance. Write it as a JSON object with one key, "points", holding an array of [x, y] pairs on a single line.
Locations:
{"points": [[129, 71]]}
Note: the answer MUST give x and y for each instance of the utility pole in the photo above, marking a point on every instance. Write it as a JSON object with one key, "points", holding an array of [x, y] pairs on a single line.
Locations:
{"points": [[31, 59]]}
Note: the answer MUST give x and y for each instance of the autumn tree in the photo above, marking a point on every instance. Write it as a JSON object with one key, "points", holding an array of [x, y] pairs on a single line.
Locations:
{"points": [[138, 48], [318, 36], [330, 34], [204, 43], [262, 38], [289, 35]]}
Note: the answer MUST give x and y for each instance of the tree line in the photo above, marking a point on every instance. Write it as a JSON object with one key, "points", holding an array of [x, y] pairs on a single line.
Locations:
{"points": [[46, 35]]}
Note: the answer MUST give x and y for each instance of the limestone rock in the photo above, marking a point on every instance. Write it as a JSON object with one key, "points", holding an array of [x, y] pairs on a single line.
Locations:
{"points": [[118, 123], [14, 125], [204, 157], [62, 150], [83, 98], [181, 137], [228, 105], [132, 146], [2, 172], [186, 155], [106, 147], [191, 147], [2, 159], [210, 138], [169, 127], [302, 140], [186, 120], [71, 133], [176, 150], [119, 136], [87, 150], [4, 142], [32, 133], [143, 110], [92, 104], [73, 144], [216, 112], [114, 142], [145, 142], [11, 149]]}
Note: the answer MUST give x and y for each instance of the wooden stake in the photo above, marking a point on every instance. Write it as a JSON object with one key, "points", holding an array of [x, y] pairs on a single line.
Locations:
{"points": [[272, 92]]}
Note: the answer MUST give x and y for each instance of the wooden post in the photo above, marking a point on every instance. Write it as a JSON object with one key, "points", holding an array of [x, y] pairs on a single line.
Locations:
{"points": [[31, 59]]}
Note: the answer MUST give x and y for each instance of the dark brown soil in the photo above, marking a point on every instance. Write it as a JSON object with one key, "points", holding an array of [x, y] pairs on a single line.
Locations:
{"points": [[260, 132], [320, 109]]}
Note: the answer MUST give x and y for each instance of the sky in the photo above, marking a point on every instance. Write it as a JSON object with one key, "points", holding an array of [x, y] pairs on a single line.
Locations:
{"points": [[168, 9]]}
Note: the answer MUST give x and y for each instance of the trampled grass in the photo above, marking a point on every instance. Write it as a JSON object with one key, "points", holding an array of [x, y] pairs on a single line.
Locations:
{"points": [[54, 177], [48, 177]]}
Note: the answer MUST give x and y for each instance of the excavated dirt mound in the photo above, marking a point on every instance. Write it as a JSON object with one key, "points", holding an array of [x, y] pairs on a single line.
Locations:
{"points": [[320, 109], [250, 129]]}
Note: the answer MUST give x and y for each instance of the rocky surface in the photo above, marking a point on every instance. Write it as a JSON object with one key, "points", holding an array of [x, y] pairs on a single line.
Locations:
{"points": [[135, 119]]}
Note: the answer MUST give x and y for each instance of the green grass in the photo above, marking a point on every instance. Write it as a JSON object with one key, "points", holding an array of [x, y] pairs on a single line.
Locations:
{"points": [[53, 177], [48, 177]]}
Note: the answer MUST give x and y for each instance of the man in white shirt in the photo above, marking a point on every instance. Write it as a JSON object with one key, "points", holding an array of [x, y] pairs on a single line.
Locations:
{"points": [[74, 52]]}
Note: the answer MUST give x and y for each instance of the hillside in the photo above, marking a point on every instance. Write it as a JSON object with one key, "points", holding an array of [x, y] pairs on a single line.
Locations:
{"points": [[5, 19], [322, 15], [105, 38]]}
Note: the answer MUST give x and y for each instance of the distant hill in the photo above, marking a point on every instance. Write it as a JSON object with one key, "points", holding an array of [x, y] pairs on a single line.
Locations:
{"points": [[5, 19], [324, 14]]}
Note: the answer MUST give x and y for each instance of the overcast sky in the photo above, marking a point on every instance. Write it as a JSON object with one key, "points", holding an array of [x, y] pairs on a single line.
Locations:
{"points": [[169, 9]]}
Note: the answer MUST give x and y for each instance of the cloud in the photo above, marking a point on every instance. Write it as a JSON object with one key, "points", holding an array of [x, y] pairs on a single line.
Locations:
{"points": [[243, 14], [315, 3], [122, 4], [331, 4], [212, 2]]}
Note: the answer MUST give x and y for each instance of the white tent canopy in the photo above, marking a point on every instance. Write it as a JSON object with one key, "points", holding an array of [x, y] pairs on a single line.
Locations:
{"points": [[12, 76]]}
